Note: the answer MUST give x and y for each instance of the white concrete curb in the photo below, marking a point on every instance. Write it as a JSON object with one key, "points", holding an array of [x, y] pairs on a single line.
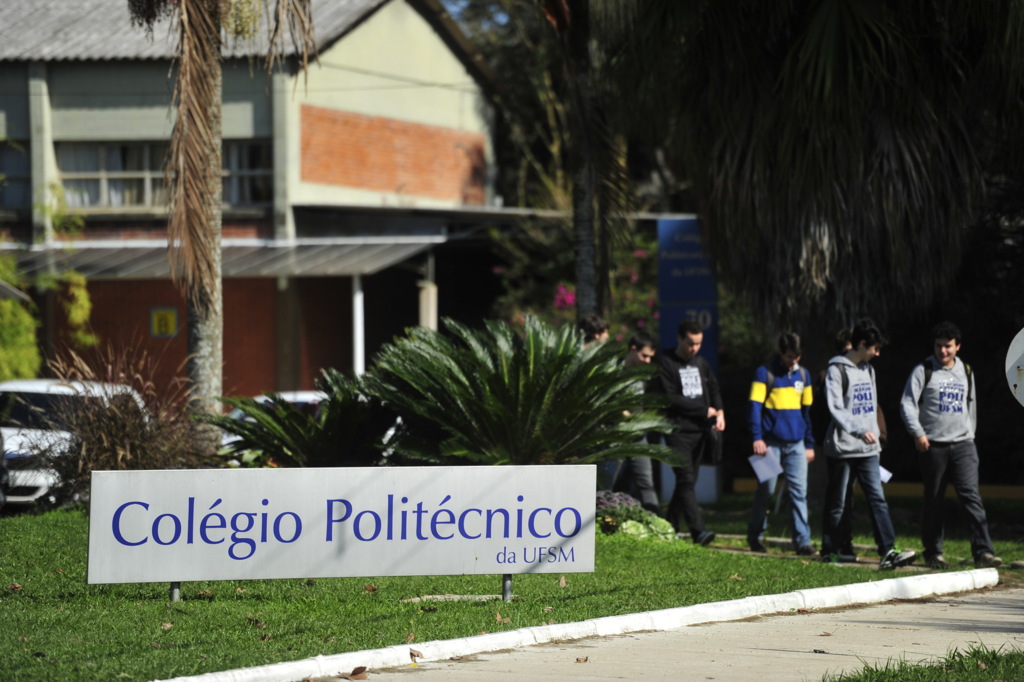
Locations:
{"points": [[911, 587]]}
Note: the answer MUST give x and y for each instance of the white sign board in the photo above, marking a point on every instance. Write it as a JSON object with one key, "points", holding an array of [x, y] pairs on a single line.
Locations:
{"points": [[1015, 366], [231, 524]]}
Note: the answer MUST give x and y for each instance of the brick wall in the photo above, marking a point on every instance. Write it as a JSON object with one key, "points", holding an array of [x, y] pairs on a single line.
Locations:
{"points": [[388, 155]]}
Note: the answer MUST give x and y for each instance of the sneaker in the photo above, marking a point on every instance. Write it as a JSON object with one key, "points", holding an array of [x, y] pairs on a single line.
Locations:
{"points": [[847, 556], [894, 558], [986, 560], [757, 546], [705, 538], [805, 550], [937, 562]]}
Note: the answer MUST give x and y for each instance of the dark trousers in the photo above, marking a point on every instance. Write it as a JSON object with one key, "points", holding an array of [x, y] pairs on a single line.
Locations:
{"points": [[836, 534], [955, 463], [682, 508], [845, 527], [636, 478]]}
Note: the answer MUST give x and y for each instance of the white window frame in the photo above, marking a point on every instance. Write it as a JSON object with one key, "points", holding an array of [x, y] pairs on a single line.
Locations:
{"points": [[233, 173], [104, 176]]}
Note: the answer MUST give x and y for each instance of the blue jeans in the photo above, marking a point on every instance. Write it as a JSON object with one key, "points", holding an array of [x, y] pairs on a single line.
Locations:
{"points": [[793, 458], [834, 537]]}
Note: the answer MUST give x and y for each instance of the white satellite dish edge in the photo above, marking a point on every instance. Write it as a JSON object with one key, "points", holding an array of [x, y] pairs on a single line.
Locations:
{"points": [[1015, 367]]}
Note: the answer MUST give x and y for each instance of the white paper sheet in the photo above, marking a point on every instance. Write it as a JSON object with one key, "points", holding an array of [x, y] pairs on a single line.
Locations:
{"points": [[765, 466], [884, 474]]}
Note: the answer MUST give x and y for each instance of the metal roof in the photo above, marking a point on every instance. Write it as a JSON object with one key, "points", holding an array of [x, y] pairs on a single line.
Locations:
{"points": [[55, 30], [148, 258], [350, 240]]}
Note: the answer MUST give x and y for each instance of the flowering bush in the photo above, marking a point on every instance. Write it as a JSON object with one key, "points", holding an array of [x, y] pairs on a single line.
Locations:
{"points": [[619, 512]]}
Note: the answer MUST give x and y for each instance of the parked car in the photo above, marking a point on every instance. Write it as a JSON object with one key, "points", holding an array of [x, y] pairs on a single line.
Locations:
{"points": [[31, 411]]}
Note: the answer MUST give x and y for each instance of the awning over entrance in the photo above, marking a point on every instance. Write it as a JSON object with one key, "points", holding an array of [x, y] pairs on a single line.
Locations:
{"points": [[333, 241], [147, 258]]}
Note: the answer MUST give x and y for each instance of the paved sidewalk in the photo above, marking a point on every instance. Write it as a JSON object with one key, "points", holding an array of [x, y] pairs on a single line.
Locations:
{"points": [[803, 646], [820, 630]]}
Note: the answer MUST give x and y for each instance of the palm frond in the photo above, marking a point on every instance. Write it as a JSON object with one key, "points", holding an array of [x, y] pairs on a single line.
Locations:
{"points": [[507, 396], [194, 158]]}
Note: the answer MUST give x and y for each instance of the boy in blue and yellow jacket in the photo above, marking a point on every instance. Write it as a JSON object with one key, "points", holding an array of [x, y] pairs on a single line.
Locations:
{"points": [[779, 417]]}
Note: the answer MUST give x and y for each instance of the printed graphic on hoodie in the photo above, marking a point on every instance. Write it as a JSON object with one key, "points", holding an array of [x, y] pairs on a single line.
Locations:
{"points": [[689, 377], [951, 397], [863, 401]]}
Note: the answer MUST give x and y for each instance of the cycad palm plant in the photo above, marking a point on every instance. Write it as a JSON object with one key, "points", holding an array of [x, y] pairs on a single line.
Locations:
{"points": [[350, 428], [505, 395]]}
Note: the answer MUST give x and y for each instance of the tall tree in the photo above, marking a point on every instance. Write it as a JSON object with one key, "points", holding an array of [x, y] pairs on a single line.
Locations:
{"points": [[838, 147], [194, 159], [554, 103]]}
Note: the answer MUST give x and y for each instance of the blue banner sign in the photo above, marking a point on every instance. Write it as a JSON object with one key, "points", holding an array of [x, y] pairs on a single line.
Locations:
{"points": [[686, 284]]}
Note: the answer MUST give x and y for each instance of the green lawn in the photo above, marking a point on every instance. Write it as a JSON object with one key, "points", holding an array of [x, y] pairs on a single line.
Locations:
{"points": [[974, 665], [54, 626]]}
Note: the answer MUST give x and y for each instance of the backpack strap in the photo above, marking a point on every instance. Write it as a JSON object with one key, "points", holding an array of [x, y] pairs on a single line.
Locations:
{"points": [[970, 382], [846, 377]]}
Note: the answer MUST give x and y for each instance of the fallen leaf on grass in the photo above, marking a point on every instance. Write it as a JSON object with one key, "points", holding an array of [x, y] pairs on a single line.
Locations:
{"points": [[549, 609], [255, 622], [410, 638], [583, 659], [310, 583], [14, 587], [561, 581], [241, 590], [370, 588], [735, 576], [413, 655], [982, 665], [266, 637], [502, 620], [60, 570], [166, 626]]}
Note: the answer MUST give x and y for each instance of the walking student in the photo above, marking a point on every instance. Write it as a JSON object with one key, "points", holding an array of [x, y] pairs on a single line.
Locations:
{"points": [[852, 446], [779, 416], [636, 475], [940, 411], [694, 407]]}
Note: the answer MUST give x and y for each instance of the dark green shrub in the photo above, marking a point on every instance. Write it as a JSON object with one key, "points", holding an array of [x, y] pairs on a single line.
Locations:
{"points": [[508, 395]]}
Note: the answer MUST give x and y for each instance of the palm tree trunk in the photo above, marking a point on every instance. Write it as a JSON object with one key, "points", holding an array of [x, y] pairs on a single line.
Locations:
{"points": [[200, 134], [583, 188]]}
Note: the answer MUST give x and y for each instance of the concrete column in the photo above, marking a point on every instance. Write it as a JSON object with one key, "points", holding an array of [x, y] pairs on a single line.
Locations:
{"points": [[43, 161], [428, 295], [358, 327], [287, 320], [285, 159]]}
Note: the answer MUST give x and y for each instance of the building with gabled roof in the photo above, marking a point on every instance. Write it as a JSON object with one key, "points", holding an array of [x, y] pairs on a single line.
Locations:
{"points": [[341, 185]]}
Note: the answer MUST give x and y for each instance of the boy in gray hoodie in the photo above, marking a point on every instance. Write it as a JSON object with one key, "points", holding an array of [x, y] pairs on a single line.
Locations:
{"points": [[852, 446], [939, 411]]}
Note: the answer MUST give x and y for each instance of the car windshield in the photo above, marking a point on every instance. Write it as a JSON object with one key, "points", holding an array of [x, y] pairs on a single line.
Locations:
{"points": [[39, 410]]}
